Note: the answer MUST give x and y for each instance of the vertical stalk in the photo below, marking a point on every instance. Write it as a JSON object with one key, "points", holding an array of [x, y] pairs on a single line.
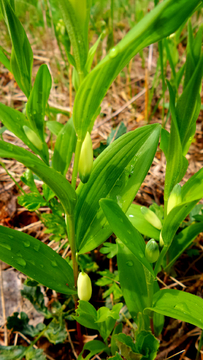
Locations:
{"points": [[70, 222], [76, 162]]}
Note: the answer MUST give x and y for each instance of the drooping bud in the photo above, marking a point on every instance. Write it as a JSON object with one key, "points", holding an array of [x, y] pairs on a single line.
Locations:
{"points": [[161, 241], [33, 137], [175, 198], [86, 159], [152, 251], [151, 217], [84, 286]]}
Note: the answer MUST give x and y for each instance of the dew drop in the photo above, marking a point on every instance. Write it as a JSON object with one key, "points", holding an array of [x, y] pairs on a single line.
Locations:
{"points": [[26, 243], [130, 263], [6, 246], [141, 254], [32, 262], [10, 236], [19, 254], [21, 261], [37, 246], [182, 307], [53, 263], [129, 232], [113, 53], [41, 265]]}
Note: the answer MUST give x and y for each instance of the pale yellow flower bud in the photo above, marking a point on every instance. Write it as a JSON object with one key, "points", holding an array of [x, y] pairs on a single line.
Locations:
{"points": [[84, 286]]}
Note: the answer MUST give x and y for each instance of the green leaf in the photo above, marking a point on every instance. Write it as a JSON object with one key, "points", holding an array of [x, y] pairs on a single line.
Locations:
{"points": [[18, 352], [91, 53], [76, 28], [174, 155], [125, 231], [54, 126], [115, 134], [51, 177], [110, 249], [193, 189], [94, 347], [37, 101], [14, 120], [181, 242], [117, 330], [127, 347], [117, 174], [35, 259], [133, 282], [115, 357], [163, 20], [64, 148], [4, 60], [102, 320], [21, 56], [137, 219], [33, 293], [188, 107], [56, 331], [20, 324], [147, 345], [31, 201], [179, 305]]}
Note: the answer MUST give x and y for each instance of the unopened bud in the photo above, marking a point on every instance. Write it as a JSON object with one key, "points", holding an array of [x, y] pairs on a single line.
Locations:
{"points": [[84, 286], [33, 137], [161, 241], [151, 217], [86, 159], [152, 251], [175, 198]]}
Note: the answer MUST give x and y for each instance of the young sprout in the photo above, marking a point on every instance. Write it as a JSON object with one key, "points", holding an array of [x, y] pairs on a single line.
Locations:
{"points": [[84, 286], [152, 251], [175, 198], [161, 241], [86, 159], [151, 217]]}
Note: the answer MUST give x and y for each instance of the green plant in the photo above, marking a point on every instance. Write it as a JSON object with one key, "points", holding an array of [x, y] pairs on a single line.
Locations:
{"points": [[97, 208]]}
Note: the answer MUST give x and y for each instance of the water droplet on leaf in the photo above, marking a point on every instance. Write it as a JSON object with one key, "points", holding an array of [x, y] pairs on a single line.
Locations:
{"points": [[37, 246], [6, 246], [53, 263], [113, 53], [21, 261], [130, 263], [26, 243]]}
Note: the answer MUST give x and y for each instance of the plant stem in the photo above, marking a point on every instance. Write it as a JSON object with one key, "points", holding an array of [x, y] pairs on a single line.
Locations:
{"points": [[76, 162], [70, 222]]}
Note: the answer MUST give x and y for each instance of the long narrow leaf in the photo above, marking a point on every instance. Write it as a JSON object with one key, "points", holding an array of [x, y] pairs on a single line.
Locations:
{"points": [[159, 23], [37, 260], [51, 177]]}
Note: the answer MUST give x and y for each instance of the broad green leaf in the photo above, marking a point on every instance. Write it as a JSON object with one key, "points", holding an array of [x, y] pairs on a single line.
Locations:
{"points": [[4, 60], [64, 148], [117, 174], [37, 101], [164, 143], [36, 260], [174, 164], [125, 231], [14, 120], [58, 184], [181, 242], [94, 347], [133, 283], [137, 219], [21, 56], [86, 315], [54, 126], [179, 305], [147, 345], [163, 20]]}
